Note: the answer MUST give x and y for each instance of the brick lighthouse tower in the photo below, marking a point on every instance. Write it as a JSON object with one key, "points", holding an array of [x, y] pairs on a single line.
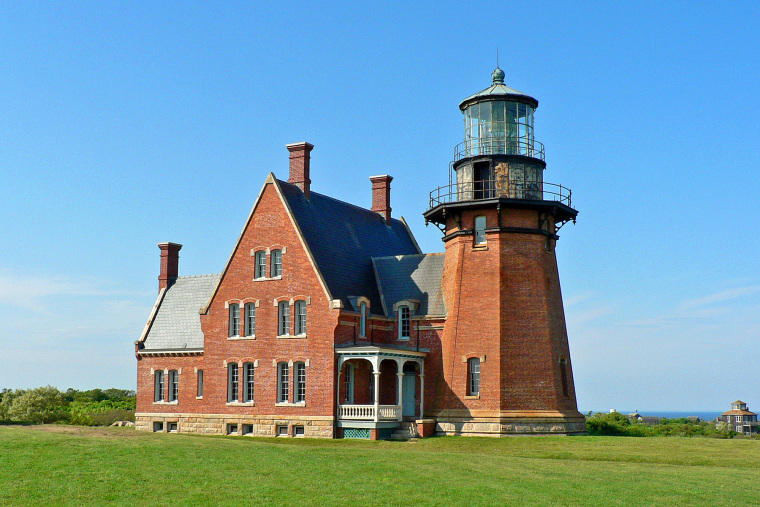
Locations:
{"points": [[506, 360]]}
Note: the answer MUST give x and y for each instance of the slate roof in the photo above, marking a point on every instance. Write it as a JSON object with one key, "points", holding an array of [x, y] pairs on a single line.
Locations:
{"points": [[416, 277], [177, 324], [343, 238]]}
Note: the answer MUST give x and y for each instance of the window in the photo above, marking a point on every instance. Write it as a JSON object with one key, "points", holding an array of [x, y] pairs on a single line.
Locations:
{"points": [[250, 319], [282, 431], [300, 317], [173, 385], [349, 383], [299, 373], [200, 384], [283, 380], [363, 321], [232, 382], [232, 429], [158, 426], [172, 426], [158, 393], [248, 429], [276, 263], [248, 382], [563, 375], [480, 230], [473, 373], [234, 319], [298, 431], [403, 322], [284, 321], [261, 264]]}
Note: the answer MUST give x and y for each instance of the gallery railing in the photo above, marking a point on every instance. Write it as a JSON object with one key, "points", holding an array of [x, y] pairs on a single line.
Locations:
{"points": [[510, 189]]}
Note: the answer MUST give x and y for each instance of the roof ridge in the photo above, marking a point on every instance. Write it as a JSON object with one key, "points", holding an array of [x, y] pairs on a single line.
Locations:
{"points": [[199, 276], [368, 211], [409, 255]]}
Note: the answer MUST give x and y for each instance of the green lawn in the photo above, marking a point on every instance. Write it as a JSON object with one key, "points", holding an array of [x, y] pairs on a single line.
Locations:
{"points": [[64, 465]]}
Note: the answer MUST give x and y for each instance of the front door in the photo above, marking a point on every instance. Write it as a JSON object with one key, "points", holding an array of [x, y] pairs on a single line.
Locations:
{"points": [[408, 393]]}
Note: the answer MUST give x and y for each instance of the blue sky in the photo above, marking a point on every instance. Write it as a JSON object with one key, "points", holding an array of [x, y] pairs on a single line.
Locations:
{"points": [[126, 124]]}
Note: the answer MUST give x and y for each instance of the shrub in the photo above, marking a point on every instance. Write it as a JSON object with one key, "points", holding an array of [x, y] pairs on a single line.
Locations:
{"points": [[41, 405]]}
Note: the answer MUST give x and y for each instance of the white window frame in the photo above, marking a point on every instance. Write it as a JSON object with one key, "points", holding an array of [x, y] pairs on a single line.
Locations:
{"points": [[299, 378], [479, 230], [250, 319], [260, 263], [404, 322], [159, 386], [199, 388], [275, 269], [173, 386], [473, 376], [300, 313], [248, 382], [283, 382], [234, 329], [233, 383], [283, 318], [363, 319]]}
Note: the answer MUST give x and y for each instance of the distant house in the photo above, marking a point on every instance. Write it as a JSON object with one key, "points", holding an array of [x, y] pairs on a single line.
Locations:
{"points": [[740, 419], [643, 419]]}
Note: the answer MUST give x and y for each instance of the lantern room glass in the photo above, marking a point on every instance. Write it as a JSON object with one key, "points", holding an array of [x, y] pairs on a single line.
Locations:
{"points": [[498, 127]]}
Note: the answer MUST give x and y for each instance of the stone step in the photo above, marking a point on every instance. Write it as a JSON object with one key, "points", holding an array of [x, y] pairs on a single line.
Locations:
{"points": [[406, 431]]}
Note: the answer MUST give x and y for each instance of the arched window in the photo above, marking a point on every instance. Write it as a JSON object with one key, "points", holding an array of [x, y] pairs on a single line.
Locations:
{"points": [[480, 230], [283, 383], [275, 263], [173, 385], [261, 264], [284, 318], [232, 382], [158, 392], [363, 320], [248, 371], [473, 376], [234, 319], [299, 374], [300, 308], [250, 319]]}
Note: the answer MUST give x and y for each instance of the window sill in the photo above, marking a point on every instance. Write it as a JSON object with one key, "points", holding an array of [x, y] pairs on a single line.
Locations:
{"points": [[472, 397], [267, 278], [238, 337], [480, 247], [291, 336], [404, 339], [288, 404], [165, 402], [199, 397], [241, 404]]}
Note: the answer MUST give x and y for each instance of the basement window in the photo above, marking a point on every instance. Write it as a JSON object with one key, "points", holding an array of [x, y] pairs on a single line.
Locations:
{"points": [[158, 426], [298, 431], [282, 431]]}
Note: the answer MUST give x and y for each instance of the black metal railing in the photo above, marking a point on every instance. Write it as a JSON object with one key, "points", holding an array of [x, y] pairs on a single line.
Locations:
{"points": [[499, 146], [510, 189]]}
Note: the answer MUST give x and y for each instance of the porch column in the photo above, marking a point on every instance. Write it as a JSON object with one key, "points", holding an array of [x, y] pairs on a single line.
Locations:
{"points": [[377, 395], [400, 389], [341, 360]]}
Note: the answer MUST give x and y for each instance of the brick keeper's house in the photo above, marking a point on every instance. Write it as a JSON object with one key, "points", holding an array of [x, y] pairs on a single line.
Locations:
{"points": [[328, 321]]}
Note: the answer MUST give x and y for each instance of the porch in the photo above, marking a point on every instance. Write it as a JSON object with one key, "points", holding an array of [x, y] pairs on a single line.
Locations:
{"points": [[378, 387]]}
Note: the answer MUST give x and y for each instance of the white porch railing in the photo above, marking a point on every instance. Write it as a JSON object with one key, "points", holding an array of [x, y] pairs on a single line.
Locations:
{"points": [[367, 412]]}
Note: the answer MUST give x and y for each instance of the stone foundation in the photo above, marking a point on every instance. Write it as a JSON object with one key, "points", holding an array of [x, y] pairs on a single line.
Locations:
{"points": [[510, 426], [229, 424]]}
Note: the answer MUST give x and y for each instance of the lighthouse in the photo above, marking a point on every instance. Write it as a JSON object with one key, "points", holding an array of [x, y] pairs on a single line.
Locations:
{"points": [[506, 360]]}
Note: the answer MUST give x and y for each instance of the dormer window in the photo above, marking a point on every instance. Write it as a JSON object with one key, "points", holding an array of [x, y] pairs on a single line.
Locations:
{"points": [[480, 230], [404, 325], [276, 263], [261, 264], [363, 319]]}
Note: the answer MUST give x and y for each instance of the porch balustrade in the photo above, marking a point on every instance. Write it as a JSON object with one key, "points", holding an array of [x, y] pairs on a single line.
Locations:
{"points": [[367, 412]]}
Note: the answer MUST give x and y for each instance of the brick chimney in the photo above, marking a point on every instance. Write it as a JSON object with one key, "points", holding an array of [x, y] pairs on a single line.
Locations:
{"points": [[300, 160], [381, 195], [169, 264]]}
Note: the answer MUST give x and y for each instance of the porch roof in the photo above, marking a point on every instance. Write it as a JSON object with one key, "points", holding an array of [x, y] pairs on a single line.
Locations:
{"points": [[384, 351]]}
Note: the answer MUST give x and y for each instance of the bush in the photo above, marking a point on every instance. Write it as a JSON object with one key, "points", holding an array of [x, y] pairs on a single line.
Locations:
{"points": [[41, 405]]}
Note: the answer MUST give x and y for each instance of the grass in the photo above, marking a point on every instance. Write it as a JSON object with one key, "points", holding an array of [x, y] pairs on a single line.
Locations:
{"points": [[66, 465]]}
